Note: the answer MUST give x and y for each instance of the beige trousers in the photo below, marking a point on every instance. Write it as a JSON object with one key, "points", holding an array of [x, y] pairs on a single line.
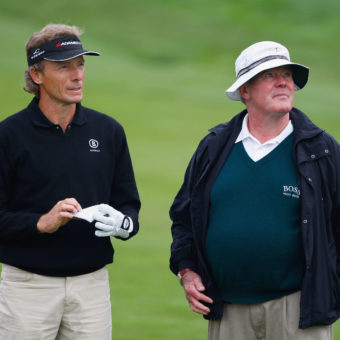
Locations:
{"points": [[273, 320], [36, 307]]}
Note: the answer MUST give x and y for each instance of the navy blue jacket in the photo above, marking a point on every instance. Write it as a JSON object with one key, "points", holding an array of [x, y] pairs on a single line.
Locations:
{"points": [[39, 166], [317, 156]]}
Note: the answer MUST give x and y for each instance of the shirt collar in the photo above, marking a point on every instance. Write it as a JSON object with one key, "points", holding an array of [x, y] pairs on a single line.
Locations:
{"points": [[245, 134], [39, 119]]}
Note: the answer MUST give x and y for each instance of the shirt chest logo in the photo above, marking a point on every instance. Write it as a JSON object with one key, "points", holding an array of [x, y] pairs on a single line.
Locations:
{"points": [[94, 144], [291, 191]]}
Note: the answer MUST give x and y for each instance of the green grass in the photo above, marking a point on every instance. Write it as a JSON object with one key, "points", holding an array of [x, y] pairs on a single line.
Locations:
{"points": [[162, 73]]}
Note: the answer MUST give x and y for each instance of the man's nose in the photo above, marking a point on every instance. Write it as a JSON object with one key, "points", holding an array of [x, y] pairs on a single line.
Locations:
{"points": [[281, 79], [77, 73]]}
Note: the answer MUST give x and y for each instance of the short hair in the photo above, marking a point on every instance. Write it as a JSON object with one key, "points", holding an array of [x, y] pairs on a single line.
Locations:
{"points": [[48, 33]]}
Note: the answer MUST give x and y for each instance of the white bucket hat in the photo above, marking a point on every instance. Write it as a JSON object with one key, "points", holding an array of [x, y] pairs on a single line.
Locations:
{"points": [[263, 56]]}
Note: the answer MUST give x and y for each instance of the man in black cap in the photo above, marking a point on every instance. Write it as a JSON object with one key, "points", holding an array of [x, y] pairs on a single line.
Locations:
{"points": [[57, 157], [256, 223]]}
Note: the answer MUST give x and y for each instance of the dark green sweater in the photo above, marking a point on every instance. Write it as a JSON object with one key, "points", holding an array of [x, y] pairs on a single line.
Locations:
{"points": [[254, 241]]}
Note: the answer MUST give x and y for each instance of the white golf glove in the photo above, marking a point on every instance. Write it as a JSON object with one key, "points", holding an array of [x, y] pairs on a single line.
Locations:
{"points": [[112, 222]]}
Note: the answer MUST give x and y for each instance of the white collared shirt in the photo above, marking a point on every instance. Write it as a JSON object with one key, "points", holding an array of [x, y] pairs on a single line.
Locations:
{"points": [[254, 148]]}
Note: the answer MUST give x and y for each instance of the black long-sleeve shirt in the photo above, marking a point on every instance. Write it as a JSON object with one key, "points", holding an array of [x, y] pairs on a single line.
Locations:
{"points": [[41, 165]]}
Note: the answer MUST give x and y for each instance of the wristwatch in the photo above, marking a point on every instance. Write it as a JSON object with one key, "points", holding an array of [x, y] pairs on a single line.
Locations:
{"points": [[181, 273]]}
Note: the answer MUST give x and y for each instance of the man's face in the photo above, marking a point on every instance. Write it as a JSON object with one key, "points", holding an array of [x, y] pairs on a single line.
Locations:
{"points": [[270, 92], [62, 82]]}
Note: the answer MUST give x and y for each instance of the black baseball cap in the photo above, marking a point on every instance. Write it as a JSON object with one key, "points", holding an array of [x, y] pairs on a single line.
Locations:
{"points": [[60, 49]]}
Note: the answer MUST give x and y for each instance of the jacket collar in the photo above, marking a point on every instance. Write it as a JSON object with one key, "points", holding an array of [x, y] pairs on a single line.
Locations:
{"points": [[39, 119], [224, 133], [234, 124], [303, 129]]}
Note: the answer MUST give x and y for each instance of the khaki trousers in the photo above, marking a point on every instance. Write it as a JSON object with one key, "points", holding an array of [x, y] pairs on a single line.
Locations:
{"points": [[273, 320], [36, 307]]}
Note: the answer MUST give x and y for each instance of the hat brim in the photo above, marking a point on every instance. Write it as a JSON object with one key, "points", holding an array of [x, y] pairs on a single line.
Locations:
{"points": [[68, 55], [300, 76]]}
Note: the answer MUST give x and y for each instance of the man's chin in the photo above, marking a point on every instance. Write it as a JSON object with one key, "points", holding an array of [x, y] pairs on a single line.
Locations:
{"points": [[284, 107], [75, 100]]}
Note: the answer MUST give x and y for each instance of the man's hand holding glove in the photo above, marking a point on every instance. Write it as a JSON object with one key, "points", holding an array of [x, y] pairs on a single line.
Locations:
{"points": [[112, 222]]}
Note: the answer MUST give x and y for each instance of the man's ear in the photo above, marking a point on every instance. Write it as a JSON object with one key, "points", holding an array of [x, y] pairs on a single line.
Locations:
{"points": [[35, 75], [244, 91]]}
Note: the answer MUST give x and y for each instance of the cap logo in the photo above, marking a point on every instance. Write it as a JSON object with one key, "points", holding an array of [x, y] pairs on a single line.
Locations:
{"points": [[66, 43], [36, 53], [258, 62]]}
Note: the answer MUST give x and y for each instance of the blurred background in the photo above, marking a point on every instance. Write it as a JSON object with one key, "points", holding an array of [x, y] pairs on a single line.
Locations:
{"points": [[162, 73]]}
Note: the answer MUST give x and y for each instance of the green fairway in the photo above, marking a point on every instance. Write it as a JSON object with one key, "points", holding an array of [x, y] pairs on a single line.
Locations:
{"points": [[162, 73]]}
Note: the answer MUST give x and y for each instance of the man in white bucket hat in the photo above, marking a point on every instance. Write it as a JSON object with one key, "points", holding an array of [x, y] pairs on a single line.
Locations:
{"points": [[260, 57], [256, 223]]}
